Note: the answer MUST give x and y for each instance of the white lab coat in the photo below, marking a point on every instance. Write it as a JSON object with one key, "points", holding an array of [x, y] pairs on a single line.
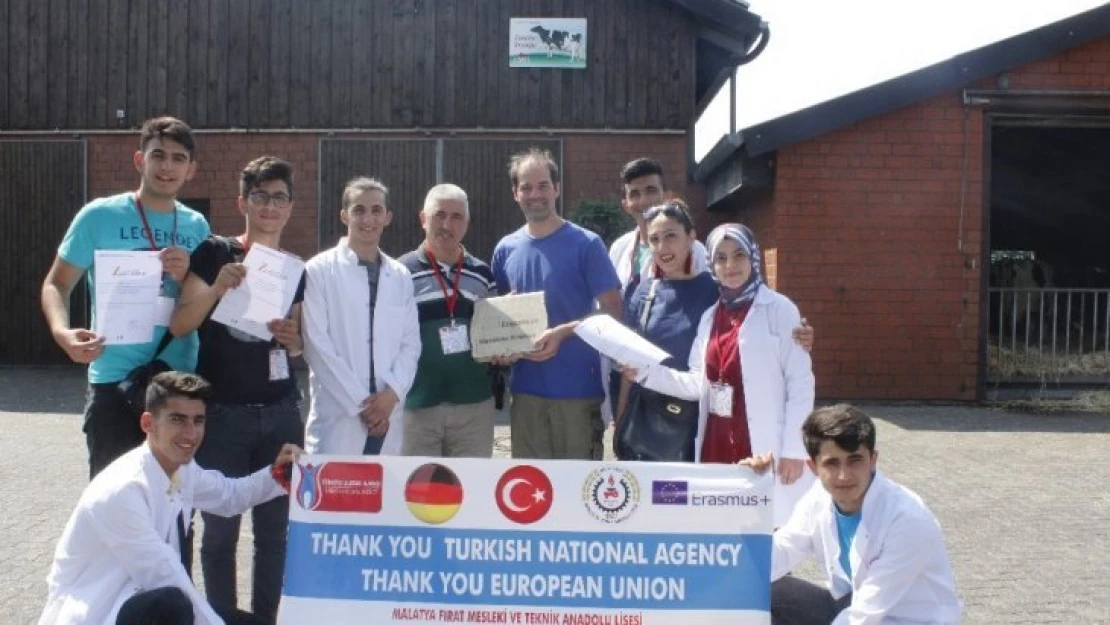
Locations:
{"points": [[902, 574], [336, 337], [620, 253], [778, 386], [122, 536]]}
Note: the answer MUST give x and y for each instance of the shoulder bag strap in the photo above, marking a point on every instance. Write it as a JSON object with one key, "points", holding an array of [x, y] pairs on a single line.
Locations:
{"points": [[648, 301], [166, 339]]}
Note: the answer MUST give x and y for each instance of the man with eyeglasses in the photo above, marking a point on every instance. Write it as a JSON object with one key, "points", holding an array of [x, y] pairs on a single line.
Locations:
{"points": [[255, 405]]}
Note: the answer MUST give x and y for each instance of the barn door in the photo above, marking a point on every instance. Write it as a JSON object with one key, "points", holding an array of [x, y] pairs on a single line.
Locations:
{"points": [[479, 166], [407, 167], [42, 185]]}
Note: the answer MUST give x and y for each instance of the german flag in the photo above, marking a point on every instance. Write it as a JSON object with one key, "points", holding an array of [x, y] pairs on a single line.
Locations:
{"points": [[433, 493]]}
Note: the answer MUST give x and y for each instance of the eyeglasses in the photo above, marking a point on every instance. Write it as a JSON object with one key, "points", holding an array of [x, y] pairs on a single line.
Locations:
{"points": [[261, 198]]}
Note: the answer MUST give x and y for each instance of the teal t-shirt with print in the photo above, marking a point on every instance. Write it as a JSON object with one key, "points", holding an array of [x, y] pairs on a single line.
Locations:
{"points": [[113, 223]]}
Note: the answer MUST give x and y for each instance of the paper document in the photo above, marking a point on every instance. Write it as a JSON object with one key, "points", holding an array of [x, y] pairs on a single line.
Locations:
{"points": [[619, 342], [127, 286], [265, 294]]}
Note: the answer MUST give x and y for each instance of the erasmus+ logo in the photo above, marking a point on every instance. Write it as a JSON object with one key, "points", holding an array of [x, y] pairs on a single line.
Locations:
{"points": [[680, 493]]}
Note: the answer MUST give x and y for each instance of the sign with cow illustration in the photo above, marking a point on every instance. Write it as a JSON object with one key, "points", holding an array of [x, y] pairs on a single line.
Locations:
{"points": [[547, 42]]}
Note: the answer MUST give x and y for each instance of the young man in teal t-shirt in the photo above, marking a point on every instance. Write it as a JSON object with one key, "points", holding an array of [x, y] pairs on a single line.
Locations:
{"points": [[148, 219]]}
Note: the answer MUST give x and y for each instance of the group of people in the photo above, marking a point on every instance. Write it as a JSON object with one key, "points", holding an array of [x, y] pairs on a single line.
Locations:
{"points": [[387, 345]]}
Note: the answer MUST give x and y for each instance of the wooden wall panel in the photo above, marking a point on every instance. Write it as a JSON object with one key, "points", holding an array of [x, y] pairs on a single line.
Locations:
{"points": [[215, 80], [18, 59], [77, 115], [196, 109], [258, 82], [38, 37], [137, 58], [362, 71], [158, 47], [407, 168], [326, 64], [177, 60], [5, 26], [341, 70], [44, 179], [57, 60], [115, 94], [238, 64], [281, 27], [320, 65], [300, 60]]}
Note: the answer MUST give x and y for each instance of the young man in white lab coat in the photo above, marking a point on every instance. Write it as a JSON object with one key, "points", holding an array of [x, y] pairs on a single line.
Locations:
{"points": [[126, 534], [880, 546], [361, 333]]}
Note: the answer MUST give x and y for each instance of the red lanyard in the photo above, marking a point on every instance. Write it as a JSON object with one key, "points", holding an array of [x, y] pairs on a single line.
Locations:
{"points": [[453, 297], [146, 225], [725, 324]]}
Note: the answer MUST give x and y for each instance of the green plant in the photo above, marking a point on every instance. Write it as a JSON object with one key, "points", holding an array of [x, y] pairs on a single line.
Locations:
{"points": [[604, 217]]}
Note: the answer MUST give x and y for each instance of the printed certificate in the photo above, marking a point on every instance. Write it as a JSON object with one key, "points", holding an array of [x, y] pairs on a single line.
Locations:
{"points": [[266, 293], [126, 300]]}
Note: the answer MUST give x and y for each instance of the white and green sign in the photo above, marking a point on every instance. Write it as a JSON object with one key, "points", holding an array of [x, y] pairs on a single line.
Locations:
{"points": [[547, 42]]}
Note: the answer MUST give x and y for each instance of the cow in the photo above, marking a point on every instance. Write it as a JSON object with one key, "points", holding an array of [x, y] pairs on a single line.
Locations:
{"points": [[560, 40], [1023, 282], [575, 47]]}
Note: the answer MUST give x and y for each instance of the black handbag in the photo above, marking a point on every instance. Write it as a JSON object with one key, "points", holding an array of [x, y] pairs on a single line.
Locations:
{"points": [[655, 427], [133, 387]]}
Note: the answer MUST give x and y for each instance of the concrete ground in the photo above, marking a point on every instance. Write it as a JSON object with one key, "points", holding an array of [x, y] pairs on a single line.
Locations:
{"points": [[1024, 499]]}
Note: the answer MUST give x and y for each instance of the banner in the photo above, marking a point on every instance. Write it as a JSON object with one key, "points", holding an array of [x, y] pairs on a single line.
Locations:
{"points": [[375, 539], [547, 42]]}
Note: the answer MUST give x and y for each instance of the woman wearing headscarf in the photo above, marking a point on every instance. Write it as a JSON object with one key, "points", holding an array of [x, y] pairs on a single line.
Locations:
{"points": [[753, 381]]}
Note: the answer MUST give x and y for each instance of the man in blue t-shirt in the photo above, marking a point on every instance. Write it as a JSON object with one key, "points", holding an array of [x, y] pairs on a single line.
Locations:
{"points": [[557, 393], [148, 219]]}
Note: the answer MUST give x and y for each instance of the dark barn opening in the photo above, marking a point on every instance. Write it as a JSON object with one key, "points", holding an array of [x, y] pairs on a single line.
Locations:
{"points": [[1049, 274]]}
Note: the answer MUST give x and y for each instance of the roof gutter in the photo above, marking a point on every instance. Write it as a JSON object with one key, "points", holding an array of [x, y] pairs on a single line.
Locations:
{"points": [[732, 141]]}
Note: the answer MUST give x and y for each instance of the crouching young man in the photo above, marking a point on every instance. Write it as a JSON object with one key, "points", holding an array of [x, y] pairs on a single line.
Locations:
{"points": [[126, 533], [878, 543]]}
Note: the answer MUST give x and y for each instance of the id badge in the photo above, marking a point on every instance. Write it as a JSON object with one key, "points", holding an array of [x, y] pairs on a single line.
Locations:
{"points": [[720, 400], [163, 310], [455, 339], [279, 365]]}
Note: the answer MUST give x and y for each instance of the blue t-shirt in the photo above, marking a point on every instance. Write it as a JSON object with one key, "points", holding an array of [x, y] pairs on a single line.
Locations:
{"points": [[572, 269], [846, 526], [113, 223], [675, 314]]}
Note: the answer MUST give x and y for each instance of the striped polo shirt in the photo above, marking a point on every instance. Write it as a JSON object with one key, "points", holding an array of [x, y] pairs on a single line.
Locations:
{"points": [[447, 378]]}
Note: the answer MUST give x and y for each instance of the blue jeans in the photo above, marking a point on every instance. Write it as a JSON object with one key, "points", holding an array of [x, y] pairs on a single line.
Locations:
{"points": [[239, 440]]}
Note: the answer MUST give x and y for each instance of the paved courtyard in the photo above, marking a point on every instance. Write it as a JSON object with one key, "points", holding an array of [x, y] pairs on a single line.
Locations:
{"points": [[1024, 499]]}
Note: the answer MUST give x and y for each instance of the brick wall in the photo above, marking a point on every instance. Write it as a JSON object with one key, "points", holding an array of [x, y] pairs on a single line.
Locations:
{"points": [[220, 159], [871, 248], [878, 232], [592, 165]]}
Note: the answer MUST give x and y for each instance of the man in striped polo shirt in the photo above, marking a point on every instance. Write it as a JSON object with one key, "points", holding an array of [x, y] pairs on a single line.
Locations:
{"points": [[449, 411]]}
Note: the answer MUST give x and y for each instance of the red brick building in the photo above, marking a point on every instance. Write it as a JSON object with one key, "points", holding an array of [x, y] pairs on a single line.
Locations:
{"points": [[879, 208]]}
